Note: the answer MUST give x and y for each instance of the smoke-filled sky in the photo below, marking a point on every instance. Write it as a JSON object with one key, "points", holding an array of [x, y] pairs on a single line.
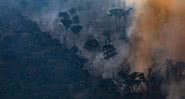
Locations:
{"points": [[159, 25]]}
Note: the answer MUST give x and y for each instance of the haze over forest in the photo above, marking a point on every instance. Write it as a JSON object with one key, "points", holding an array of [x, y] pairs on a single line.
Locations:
{"points": [[92, 49]]}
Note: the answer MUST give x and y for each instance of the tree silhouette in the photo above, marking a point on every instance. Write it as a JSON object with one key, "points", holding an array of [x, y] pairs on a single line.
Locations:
{"points": [[67, 23], [132, 80], [72, 11], [65, 19], [70, 20], [118, 14], [64, 15], [109, 51], [76, 19], [91, 45]]}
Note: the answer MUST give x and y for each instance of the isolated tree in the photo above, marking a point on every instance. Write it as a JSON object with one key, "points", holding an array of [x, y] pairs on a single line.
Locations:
{"points": [[118, 14], [109, 51], [91, 45]]}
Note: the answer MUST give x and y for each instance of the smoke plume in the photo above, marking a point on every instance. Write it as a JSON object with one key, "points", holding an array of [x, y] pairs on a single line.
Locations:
{"points": [[159, 24], [158, 34]]}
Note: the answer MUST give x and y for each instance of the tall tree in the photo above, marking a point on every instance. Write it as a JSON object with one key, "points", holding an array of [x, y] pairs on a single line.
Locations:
{"points": [[118, 14]]}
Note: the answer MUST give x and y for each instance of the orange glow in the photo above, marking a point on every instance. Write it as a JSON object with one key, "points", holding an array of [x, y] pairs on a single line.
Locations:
{"points": [[160, 24]]}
